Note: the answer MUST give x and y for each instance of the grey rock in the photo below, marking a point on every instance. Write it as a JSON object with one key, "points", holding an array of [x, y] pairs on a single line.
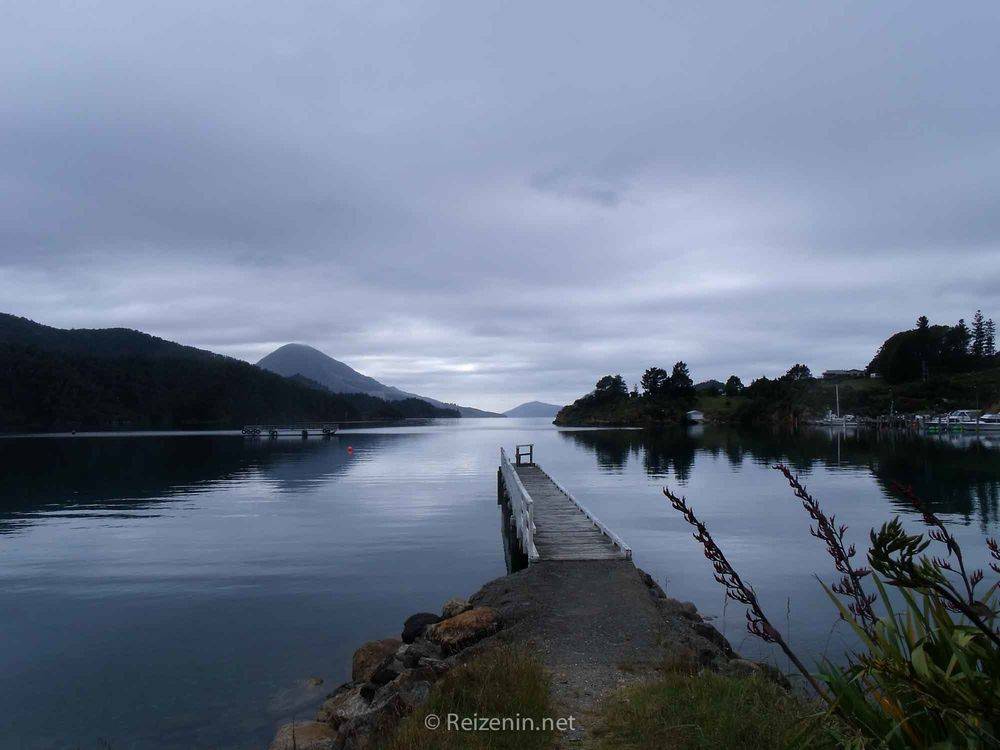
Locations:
{"points": [[305, 735], [388, 705], [416, 624], [652, 585], [405, 693], [422, 648], [709, 633], [390, 668], [684, 609], [342, 688], [439, 666], [343, 707], [454, 606], [369, 656]]}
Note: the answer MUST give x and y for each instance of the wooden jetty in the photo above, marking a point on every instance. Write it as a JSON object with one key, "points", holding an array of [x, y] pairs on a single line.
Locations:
{"points": [[550, 523], [302, 429]]}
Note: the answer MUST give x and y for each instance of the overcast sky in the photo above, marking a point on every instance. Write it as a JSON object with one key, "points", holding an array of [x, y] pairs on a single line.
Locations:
{"points": [[495, 202]]}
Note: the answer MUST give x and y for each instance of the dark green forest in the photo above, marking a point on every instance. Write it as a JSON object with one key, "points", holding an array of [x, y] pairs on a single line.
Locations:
{"points": [[929, 368], [54, 379]]}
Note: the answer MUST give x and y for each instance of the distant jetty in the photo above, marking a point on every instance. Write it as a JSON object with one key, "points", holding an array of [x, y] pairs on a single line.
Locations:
{"points": [[303, 429]]}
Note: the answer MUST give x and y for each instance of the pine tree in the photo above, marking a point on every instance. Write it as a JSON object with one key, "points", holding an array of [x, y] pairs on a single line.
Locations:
{"points": [[680, 384], [990, 343], [922, 323], [654, 381], [978, 335]]}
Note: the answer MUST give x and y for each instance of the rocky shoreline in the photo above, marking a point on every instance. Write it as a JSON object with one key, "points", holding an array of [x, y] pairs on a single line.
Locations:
{"points": [[596, 626]]}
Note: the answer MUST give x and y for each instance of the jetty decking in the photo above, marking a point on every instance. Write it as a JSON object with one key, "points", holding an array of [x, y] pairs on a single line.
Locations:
{"points": [[297, 429], [550, 523]]}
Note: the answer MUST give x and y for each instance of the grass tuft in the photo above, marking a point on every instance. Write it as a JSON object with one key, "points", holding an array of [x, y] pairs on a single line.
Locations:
{"points": [[504, 682], [703, 711]]}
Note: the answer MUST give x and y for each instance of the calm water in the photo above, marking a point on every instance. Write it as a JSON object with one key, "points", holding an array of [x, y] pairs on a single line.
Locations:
{"points": [[177, 591]]}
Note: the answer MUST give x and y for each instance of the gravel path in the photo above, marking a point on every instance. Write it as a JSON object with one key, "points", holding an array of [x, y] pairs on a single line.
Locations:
{"points": [[597, 625]]}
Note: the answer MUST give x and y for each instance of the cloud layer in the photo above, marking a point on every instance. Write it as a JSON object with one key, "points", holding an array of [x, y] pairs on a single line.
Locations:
{"points": [[495, 202]]}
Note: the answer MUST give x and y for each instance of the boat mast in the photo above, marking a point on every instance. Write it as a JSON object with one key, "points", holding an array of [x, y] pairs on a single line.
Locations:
{"points": [[836, 388]]}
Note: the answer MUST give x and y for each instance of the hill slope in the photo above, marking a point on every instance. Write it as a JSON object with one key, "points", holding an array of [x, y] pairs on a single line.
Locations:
{"points": [[54, 378], [93, 342], [533, 409], [300, 359]]}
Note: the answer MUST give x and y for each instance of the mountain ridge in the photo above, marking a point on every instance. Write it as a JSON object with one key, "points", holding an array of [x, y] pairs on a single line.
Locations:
{"points": [[530, 409], [339, 377], [56, 378]]}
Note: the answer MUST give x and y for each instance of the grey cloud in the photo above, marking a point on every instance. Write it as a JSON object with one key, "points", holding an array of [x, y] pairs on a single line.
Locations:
{"points": [[491, 202]]}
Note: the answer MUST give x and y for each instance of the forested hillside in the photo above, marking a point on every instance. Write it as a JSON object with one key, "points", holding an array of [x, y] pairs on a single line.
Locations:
{"points": [[99, 378]]}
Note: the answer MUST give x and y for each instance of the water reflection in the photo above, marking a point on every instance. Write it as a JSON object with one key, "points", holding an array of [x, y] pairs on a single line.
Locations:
{"points": [[163, 589], [957, 475], [129, 477]]}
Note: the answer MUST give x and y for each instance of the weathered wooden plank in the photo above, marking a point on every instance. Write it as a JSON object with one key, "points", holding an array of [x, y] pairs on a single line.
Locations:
{"points": [[560, 528]]}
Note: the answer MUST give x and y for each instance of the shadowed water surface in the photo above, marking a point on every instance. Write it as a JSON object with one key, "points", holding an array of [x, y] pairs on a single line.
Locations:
{"points": [[176, 591]]}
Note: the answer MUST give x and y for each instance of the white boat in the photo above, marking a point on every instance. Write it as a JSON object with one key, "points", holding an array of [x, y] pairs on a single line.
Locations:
{"points": [[833, 420], [836, 420], [964, 420]]}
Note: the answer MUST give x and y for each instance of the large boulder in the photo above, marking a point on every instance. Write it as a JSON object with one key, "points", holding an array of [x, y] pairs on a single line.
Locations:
{"points": [[305, 735], [390, 668], [389, 705], [677, 608], [462, 630], [416, 624], [454, 606], [343, 706], [367, 658], [412, 653], [405, 693], [709, 632]]}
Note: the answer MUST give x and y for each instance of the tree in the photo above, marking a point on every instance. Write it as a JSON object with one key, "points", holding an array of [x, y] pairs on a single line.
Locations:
{"points": [[681, 385], [923, 345], [654, 381], [734, 386], [955, 347], [796, 373], [978, 335], [611, 386], [990, 344]]}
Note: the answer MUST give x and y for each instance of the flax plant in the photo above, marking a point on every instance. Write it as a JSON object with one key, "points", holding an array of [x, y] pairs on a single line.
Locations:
{"points": [[927, 673]]}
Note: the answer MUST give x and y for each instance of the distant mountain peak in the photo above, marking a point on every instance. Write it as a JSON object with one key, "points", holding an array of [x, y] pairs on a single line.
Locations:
{"points": [[533, 409], [310, 362]]}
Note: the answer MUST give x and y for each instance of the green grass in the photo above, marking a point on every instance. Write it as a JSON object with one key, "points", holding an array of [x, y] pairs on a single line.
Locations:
{"points": [[504, 682], [702, 711]]}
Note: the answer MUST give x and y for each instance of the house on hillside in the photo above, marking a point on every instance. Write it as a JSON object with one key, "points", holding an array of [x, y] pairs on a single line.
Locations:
{"points": [[842, 374]]}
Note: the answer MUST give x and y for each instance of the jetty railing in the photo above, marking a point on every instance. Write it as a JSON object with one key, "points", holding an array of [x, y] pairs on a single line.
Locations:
{"points": [[521, 507], [615, 539]]}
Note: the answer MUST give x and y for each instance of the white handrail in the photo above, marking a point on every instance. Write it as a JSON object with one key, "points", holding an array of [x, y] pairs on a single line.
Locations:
{"points": [[521, 505]]}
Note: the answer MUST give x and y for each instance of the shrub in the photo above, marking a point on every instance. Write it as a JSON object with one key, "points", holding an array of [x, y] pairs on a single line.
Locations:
{"points": [[928, 674]]}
